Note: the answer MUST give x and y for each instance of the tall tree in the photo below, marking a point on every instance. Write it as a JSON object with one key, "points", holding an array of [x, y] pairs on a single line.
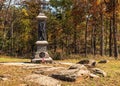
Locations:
{"points": [[114, 4], [102, 30], [110, 37], [78, 13]]}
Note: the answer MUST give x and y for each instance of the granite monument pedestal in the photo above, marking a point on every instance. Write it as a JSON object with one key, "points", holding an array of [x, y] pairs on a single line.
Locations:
{"points": [[41, 55]]}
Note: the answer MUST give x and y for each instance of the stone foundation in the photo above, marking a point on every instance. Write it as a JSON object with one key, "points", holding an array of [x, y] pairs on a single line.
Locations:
{"points": [[41, 54]]}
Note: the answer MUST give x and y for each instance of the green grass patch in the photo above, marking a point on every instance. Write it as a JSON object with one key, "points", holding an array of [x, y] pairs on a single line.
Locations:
{"points": [[13, 59]]}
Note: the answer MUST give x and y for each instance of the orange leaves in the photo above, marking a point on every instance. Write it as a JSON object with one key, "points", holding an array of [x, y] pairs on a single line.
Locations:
{"points": [[98, 2]]}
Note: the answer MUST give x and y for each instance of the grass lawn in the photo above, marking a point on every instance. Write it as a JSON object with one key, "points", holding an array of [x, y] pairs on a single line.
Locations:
{"points": [[112, 68], [12, 59]]}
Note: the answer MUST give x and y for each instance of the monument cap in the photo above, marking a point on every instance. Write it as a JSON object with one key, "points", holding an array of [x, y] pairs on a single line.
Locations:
{"points": [[41, 16]]}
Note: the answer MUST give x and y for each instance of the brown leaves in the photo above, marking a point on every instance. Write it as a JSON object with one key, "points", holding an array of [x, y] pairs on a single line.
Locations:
{"points": [[98, 2]]}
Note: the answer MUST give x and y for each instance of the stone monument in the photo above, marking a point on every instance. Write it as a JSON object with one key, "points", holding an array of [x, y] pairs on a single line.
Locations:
{"points": [[41, 54]]}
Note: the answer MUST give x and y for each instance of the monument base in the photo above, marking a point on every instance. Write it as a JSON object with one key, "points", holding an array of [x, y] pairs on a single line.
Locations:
{"points": [[45, 60], [42, 56]]}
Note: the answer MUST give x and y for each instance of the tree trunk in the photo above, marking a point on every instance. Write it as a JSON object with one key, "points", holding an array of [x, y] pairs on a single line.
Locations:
{"points": [[12, 38], [102, 36], [115, 30], [67, 48], [75, 39], [86, 33], [55, 43], [110, 38], [106, 38], [94, 40]]}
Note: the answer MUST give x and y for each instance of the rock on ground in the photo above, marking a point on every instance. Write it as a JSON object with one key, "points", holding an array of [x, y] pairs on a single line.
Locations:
{"points": [[48, 71], [72, 73], [42, 80], [77, 71], [88, 63], [94, 76], [103, 61], [78, 66], [5, 77], [98, 72]]}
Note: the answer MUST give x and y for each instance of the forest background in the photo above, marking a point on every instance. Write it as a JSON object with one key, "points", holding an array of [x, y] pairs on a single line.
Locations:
{"points": [[74, 27]]}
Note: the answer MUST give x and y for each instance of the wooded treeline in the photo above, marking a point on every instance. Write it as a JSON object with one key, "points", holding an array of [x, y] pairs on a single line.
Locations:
{"points": [[73, 27]]}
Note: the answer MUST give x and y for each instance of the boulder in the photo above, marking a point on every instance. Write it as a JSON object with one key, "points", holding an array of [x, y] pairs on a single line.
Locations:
{"points": [[42, 80], [103, 61], [94, 76], [5, 77], [78, 71], [98, 72], [64, 77], [71, 74], [48, 71], [88, 63], [38, 72], [85, 61], [78, 66]]}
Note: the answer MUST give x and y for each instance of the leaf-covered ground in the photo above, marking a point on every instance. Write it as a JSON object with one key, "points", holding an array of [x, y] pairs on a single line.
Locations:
{"points": [[17, 73]]}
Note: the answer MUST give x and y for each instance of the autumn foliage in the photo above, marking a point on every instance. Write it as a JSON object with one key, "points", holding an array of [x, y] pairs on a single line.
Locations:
{"points": [[73, 27]]}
